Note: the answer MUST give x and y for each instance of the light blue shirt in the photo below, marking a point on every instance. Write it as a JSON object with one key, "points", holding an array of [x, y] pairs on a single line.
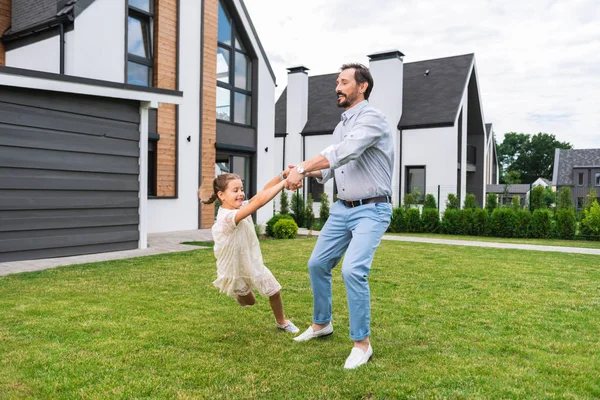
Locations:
{"points": [[362, 156]]}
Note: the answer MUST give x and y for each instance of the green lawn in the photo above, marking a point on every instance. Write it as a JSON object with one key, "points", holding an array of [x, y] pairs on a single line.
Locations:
{"points": [[447, 321], [588, 244]]}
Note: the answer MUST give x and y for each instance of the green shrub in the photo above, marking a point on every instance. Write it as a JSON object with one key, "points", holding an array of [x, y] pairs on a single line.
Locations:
{"points": [[324, 209], [470, 202], [491, 202], [449, 221], [398, 223], [566, 223], [516, 203], [430, 220], [590, 199], [270, 223], [285, 229], [284, 206], [297, 208], [590, 224], [464, 223], [413, 220], [537, 198], [429, 202], [522, 218], [480, 222], [452, 202], [309, 213], [549, 198], [409, 201], [502, 222], [565, 201], [540, 225]]}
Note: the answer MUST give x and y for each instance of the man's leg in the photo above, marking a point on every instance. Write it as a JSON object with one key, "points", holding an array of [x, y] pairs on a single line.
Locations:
{"points": [[368, 224], [331, 244]]}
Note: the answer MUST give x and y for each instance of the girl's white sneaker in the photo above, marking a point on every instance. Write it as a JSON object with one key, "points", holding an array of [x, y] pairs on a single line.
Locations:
{"points": [[288, 327]]}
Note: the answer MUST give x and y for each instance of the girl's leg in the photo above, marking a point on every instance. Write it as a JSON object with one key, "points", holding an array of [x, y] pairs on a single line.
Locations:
{"points": [[247, 300], [277, 307]]}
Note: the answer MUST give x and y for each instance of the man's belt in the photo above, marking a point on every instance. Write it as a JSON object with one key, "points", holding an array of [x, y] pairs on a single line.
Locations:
{"points": [[356, 203]]}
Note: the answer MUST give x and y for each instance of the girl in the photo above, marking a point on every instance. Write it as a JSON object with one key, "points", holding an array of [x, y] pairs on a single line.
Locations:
{"points": [[240, 267]]}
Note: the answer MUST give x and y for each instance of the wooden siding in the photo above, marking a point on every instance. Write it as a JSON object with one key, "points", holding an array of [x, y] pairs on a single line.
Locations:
{"points": [[209, 103], [165, 77]]}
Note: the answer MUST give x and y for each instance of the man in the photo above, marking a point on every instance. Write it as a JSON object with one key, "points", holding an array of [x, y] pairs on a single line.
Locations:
{"points": [[361, 160]]}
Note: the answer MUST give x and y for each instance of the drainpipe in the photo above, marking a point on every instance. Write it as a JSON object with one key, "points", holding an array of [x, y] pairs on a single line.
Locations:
{"points": [[62, 48]]}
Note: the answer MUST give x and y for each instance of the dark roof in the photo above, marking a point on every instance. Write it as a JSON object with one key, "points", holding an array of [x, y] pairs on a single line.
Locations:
{"points": [[430, 100], [34, 16], [518, 188], [566, 160], [434, 99]]}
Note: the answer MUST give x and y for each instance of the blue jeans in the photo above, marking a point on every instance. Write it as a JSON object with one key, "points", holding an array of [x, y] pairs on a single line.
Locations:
{"points": [[357, 231]]}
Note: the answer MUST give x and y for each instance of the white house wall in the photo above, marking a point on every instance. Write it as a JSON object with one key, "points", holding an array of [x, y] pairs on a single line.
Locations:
{"points": [[40, 56], [434, 148], [94, 50], [266, 118], [166, 215]]}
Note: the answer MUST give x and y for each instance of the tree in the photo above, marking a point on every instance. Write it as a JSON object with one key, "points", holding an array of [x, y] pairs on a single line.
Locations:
{"points": [[283, 203], [537, 198], [309, 214], [470, 202], [452, 202], [531, 156], [565, 201], [324, 210]]}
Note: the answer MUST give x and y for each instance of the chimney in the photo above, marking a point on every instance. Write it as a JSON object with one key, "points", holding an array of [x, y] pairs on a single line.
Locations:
{"points": [[387, 69], [296, 112]]}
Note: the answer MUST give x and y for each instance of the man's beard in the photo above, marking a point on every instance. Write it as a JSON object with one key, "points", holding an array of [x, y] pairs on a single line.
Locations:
{"points": [[346, 102]]}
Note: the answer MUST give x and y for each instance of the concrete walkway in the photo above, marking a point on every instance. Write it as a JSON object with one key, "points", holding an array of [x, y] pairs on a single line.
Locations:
{"points": [[471, 243], [159, 243]]}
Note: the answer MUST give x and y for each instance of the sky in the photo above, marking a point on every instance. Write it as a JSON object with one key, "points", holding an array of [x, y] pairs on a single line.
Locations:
{"points": [[538, 61]]}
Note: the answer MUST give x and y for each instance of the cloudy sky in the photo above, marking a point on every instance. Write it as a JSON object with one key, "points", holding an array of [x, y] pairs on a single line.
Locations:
{"points": [[538, 61]]}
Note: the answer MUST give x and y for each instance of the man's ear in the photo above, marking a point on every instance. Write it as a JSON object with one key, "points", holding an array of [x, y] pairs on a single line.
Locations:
{"points": [[363, 87]]}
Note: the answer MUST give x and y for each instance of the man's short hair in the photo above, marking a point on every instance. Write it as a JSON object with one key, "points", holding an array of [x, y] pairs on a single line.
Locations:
{"points": [[361, 75]]}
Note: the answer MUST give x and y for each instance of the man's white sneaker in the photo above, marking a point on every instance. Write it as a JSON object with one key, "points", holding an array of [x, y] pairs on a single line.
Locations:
{"points": [[358, 357], [311, 334]]}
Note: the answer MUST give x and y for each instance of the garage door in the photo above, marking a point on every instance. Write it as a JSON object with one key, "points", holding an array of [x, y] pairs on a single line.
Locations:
{"points": [[68, 174]]}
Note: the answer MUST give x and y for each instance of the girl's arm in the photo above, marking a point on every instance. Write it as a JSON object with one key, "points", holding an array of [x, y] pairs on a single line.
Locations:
{"points": [[260, 199]]}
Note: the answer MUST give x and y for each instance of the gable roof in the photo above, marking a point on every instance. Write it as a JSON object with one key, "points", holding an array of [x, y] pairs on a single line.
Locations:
{"points": [[34, 16], [428, 100], [566, 160], [517, 188]]}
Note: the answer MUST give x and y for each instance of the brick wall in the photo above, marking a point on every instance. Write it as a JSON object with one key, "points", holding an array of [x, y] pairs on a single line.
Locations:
{"points": [[5, 16], [209, 103], [165, 77]]}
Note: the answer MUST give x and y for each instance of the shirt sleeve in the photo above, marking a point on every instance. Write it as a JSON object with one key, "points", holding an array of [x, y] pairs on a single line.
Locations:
{"points": [[327, 174], [366, 132]]}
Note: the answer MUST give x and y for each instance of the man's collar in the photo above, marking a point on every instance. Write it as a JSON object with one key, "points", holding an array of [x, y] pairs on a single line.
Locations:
{"points": [[346, 115]]}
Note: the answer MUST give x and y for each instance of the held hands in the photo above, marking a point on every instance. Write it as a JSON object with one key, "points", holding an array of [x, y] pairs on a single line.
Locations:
{"points": [[293, 179]]}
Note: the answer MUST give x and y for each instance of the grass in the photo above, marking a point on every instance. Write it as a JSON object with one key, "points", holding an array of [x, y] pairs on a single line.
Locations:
{"points": [[447, 322], [540, 242], [202, 244]]}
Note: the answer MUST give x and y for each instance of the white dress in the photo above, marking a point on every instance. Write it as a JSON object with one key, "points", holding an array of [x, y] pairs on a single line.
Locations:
{"points": [[240, 267]]}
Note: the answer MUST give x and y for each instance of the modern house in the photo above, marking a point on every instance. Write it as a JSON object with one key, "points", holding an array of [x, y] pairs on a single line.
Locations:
{"points": [[578, 169], [434, 109], [196, 67]]}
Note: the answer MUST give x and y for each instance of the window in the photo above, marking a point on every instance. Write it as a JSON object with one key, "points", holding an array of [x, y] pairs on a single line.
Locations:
{"points": [[597, 179], [153, 138], [234, 73], [415, 182], [316, 189], [140, 31], [580, 179]]}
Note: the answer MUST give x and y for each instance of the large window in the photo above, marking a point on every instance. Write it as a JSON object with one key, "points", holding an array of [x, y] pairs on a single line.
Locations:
{"points": [[140, 31], [234, 73], [415, 182]]}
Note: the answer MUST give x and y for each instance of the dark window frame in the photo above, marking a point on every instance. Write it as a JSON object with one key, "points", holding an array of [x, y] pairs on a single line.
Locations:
{"points": [[597, 179], [407, 188], [580, 179], [233, 50], [147, 19]]}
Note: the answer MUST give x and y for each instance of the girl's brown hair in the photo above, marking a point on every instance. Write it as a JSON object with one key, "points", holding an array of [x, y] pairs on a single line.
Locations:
{"points": [[219, 185]]}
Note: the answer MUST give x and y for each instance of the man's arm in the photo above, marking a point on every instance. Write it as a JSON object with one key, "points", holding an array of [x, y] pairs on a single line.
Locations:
{"points": [[312, 167]]}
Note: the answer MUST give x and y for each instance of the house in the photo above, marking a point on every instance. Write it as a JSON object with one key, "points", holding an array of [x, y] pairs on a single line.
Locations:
{"points": [[434, 108], [207, 52], [578, 169]]}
